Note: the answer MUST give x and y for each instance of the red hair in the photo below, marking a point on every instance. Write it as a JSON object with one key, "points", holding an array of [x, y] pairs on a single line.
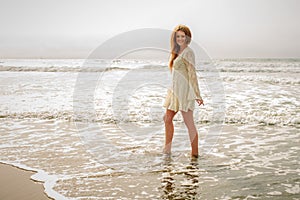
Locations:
{"points": [[174, 46]]}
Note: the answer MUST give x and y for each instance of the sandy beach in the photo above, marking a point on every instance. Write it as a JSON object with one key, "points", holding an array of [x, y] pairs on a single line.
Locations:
{"points": [[91, 138], [15, 184]]}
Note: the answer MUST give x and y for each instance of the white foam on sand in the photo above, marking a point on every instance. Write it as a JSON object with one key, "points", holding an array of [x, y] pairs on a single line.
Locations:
{"points": [[41, 176]]}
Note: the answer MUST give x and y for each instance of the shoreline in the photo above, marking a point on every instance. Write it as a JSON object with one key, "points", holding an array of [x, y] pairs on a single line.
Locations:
{"points": [[16, 183]]}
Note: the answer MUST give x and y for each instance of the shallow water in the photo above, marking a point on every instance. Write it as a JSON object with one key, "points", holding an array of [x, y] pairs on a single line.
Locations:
{"points": [[98, 146], [247, 162]]}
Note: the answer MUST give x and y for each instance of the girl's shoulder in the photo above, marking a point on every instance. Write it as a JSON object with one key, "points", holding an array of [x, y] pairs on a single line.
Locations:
{"points": [[188, 51], [188, 48], [189, 55]]}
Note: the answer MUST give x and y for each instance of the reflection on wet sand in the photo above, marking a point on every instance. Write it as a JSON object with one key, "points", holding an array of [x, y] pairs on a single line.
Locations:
{"points": [[179, 183]]}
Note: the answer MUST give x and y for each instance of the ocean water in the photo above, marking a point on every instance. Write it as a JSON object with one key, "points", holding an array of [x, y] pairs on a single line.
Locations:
{"points": [[93, 129]]}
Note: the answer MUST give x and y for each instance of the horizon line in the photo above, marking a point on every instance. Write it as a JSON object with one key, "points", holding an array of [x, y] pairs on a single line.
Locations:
{"points": [[216, 58]]}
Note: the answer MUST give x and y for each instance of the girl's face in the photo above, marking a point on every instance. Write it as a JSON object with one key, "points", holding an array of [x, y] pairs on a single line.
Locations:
{"points": [[180, 38]]}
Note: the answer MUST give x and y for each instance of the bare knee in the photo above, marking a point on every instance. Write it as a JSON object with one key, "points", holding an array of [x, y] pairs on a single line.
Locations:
{"points": [[168, 119], [189, 120]]}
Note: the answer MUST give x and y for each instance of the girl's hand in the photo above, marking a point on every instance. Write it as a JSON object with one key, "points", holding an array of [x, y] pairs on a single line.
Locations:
{"points": [[200, 102]]}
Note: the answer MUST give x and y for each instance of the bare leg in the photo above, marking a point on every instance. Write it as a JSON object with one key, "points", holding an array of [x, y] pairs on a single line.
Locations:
{"points": [[169, 130], [189, 122]]}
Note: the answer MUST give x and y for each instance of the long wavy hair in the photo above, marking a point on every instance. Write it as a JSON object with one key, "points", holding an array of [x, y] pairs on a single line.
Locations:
{"points": [[174, 46]]}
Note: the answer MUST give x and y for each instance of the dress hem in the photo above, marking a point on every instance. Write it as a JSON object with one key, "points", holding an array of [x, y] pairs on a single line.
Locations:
{"points": [[179, 109]]}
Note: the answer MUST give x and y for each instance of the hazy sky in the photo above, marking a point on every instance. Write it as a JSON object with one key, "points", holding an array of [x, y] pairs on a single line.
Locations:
{"points": [[225, 28]]}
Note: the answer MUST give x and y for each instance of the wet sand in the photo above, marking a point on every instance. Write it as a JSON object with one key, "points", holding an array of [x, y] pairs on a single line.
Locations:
{"points": [[16, 184], [105, 141]]}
